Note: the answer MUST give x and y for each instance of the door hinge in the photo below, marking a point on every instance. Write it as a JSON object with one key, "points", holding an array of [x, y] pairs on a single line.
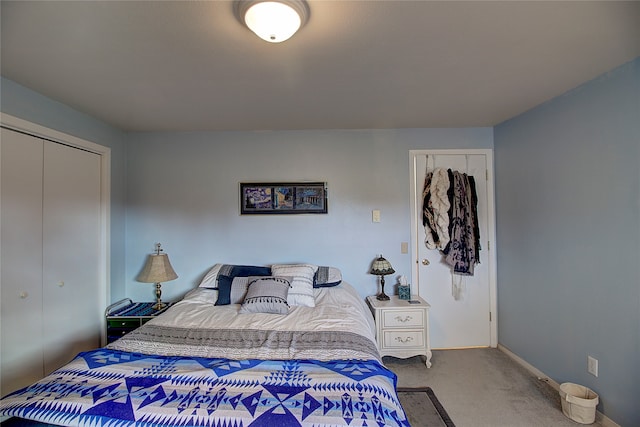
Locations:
{"points": [[486, 174], [488, 245], [489, 316]]}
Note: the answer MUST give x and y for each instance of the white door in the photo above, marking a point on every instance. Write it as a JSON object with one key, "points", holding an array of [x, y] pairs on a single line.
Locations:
{"points": [[467, 320], [21, 261], [71, 253], [53, 268]]}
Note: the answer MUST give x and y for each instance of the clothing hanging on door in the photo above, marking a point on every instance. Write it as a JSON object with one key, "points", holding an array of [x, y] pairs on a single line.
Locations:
{"points": [[435, 215], [450, 218]]}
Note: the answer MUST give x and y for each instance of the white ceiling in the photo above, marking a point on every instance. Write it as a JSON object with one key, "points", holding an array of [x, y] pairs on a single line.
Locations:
{"points": [[187, 65]]}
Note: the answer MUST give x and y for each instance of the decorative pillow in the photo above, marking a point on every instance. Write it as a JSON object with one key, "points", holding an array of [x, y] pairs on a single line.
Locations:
{"points": [[211, 279], [221, 277], [266, 295], [301, 292], [327, 277], [238, 290]]}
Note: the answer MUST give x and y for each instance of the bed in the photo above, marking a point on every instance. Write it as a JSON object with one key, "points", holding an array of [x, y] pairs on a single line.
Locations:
{"points": [[281, 348]]}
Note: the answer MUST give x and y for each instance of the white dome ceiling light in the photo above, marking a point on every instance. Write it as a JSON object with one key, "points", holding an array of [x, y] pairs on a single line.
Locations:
{"points": [[273, 20]]}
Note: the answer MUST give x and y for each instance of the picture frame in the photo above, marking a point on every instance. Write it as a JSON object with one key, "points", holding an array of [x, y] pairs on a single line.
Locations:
{"points": [[273, 198]]}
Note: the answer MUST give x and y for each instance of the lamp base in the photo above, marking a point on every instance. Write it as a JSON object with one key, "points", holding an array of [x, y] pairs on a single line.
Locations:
{"points": [[159, 305], [382, 297]]}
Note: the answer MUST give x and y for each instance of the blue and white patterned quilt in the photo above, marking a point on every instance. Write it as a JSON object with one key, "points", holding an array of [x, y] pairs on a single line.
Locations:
{"points": [[114, 388], [203, 365]]}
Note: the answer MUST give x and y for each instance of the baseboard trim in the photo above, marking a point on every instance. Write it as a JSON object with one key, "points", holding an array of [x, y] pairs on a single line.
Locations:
{"points": [[600, 417]]}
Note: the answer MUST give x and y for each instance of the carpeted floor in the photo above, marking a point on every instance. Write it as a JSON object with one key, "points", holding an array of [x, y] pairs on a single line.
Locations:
{"points": [[484, 387]]}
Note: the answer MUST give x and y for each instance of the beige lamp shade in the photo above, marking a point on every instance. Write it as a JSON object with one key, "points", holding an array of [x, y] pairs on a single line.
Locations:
{"points": [[157, 269]]}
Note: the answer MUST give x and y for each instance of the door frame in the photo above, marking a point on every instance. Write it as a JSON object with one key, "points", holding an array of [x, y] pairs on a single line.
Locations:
{"points": [[33, 129], [489, 243]]}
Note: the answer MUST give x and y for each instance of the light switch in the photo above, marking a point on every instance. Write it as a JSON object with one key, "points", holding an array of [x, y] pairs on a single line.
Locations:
{"points": [[375, 215], [404, 248]]}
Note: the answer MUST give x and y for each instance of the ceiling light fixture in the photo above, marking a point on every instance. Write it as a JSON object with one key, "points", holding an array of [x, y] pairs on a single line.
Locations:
{"points": [[273, 20]]}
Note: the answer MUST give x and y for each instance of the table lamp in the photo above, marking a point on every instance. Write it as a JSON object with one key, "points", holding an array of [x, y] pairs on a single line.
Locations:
{"points": [[157, 269], [381, 267]]}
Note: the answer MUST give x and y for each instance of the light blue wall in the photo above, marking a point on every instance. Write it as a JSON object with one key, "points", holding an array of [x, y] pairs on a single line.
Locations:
{"points": [[183, 192], [19, 101], [568, 211], [568, 214]]}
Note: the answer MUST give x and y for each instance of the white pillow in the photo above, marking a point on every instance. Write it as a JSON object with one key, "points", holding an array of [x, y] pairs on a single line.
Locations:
{"points": [[327, 277], [202, 295], [301, 291], [210, 280]]}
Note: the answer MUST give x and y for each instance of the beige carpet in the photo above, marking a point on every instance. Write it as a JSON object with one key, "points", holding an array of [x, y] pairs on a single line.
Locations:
{"points": [[484, 387]]}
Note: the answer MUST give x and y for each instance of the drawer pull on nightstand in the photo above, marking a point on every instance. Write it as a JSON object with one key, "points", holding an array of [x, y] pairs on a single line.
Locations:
{"points": [[403, 320], [405, 340]]}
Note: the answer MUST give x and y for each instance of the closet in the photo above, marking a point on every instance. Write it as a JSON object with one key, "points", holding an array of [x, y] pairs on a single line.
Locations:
{"points": [[52, 277]]}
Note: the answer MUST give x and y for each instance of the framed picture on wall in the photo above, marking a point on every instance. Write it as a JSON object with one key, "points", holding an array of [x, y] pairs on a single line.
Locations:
{"points": [[257, 198]]}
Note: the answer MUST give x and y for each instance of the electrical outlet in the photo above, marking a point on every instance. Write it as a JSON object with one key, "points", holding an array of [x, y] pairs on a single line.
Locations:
{"points": [[375, 215], [592, 366], [404, 247]]}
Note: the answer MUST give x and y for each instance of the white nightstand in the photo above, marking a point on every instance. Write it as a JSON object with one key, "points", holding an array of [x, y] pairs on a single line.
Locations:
{"points": [[402, 329]]}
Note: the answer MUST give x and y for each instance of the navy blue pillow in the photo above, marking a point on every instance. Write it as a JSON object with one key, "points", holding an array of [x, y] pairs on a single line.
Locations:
{"points": [[225, 280]]}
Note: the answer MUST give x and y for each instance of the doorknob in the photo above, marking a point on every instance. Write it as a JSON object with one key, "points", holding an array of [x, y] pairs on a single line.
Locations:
{"points": [[425, 261]]}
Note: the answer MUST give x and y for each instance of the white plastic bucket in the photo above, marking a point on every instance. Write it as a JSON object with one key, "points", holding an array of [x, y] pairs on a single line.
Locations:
{"points": [[578, 402]]}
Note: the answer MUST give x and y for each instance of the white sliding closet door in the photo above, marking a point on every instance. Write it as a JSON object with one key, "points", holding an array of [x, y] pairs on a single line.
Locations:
{"points": [[21, 159], [71, 253], [52, 269]]}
